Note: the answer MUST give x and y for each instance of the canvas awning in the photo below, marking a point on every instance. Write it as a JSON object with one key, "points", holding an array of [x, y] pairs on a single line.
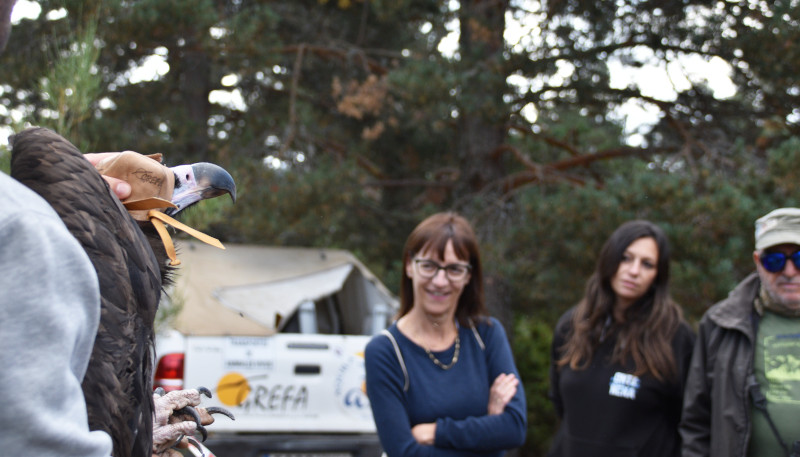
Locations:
{"points": [[248, 289]]}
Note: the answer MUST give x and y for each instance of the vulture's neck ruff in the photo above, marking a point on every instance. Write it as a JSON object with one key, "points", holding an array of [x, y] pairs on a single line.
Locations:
{"points": [[152, 186]]}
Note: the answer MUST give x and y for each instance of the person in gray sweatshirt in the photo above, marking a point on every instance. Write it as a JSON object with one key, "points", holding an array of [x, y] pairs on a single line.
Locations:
{"points": [[49, 312]]}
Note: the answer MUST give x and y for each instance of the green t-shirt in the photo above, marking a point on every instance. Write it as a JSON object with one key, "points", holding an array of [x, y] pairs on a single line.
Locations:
{"points": [[777, 368]]}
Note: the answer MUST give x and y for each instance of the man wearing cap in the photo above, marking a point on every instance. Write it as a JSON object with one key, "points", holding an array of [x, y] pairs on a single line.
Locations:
{"points": [[742, 396]]}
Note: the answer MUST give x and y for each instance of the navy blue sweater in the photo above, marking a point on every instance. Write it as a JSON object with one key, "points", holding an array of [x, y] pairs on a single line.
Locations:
{"points": [[456, 399]]}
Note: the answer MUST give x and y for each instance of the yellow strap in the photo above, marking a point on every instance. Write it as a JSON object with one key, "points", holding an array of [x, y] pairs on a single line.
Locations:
{"points": [[153, 214], [147, 203], [170, 248]]}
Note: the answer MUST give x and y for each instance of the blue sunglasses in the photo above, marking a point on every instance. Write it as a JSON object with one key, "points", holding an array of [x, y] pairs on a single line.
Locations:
{"points": [[774, 262]]}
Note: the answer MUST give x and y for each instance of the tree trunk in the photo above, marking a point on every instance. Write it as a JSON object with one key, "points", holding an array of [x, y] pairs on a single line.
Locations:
{"points": [[482, 117], [482, 121]]}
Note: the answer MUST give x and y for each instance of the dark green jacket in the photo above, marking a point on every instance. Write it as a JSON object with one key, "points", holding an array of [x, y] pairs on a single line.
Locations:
{"points": [[716, 408]]}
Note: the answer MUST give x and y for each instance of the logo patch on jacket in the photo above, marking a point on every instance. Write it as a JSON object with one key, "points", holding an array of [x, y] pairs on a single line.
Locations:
{"points": [[624, 385]]}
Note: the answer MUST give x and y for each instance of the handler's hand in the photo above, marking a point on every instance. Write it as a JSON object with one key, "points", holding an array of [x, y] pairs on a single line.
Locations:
{"points": [[501, 392], [121, 188], [424, 433]]}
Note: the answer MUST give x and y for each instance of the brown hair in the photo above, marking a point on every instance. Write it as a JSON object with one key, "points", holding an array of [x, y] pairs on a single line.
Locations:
{"points": [[432, 234], [650, 322]]}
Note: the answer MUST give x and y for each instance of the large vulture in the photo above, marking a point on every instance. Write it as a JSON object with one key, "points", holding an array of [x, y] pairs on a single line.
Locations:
{"points": [[132, 267]]}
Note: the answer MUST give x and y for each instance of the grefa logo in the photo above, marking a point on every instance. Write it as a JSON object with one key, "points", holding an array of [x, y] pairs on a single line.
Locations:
{"points": [[350, 386], [234, 389]]}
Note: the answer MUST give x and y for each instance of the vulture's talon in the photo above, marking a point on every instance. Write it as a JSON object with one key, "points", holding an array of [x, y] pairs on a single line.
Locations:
{"points": [[220, 410], [202, 431], [204, 391], [190, 411], [160, 391], [196, 445]]}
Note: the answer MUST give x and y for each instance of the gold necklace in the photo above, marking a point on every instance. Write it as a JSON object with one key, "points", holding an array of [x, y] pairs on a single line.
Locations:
{"points": [[452, 362]]}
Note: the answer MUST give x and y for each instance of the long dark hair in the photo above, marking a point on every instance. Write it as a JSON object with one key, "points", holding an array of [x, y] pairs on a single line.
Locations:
{"points": [[432, 234], [650, 322]]}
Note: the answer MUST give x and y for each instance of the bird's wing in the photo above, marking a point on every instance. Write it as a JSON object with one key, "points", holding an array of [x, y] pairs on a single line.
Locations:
{"points": [[117, 385]]}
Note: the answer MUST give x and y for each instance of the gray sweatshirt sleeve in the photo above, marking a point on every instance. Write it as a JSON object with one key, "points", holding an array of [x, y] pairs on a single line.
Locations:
{"points": [[49, 312]]}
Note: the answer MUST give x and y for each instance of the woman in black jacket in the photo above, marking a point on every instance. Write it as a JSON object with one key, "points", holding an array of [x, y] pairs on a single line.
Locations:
{"points": [[620, 357]]}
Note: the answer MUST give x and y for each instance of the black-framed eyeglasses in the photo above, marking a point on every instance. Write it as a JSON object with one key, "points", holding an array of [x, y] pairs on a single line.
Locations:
{"points": [[775, 262], [454, 271]]}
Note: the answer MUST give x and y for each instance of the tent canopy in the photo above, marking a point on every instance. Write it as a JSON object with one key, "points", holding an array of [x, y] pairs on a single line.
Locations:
{"points": [[251, 290]]}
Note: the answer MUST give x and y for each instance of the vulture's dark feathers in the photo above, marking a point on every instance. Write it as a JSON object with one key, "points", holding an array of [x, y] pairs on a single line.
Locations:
{"points": [[118, 382]]}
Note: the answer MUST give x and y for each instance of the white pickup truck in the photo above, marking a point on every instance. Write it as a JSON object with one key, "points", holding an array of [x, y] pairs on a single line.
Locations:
{"points": [[278, 336]]}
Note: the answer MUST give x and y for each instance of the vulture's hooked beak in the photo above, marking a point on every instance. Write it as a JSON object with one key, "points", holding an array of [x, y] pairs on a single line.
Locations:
{"points": [[199, 181]]}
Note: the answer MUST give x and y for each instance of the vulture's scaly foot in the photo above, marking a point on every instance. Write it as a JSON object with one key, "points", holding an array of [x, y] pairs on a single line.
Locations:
{"points": [[194, 415], [184, 407], [171, 421], [201, 417]]}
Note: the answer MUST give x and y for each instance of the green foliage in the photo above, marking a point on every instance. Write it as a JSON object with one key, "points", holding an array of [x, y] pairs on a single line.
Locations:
{"points": [[72, 86], [570, 224], [532, 340], [783, 169], [306, 209], [205, 214], [5, 160]]}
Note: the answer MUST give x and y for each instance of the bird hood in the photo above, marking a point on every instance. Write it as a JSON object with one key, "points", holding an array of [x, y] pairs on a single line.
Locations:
{"points": [[152, 188], [150, 180]]}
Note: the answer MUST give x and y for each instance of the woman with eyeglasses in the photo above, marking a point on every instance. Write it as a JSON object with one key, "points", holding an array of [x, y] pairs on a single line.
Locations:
{"points": [[621, 356], [441, 379]]}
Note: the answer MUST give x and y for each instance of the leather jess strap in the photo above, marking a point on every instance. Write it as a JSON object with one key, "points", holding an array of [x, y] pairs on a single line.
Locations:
{"points": [[157, 218]]}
